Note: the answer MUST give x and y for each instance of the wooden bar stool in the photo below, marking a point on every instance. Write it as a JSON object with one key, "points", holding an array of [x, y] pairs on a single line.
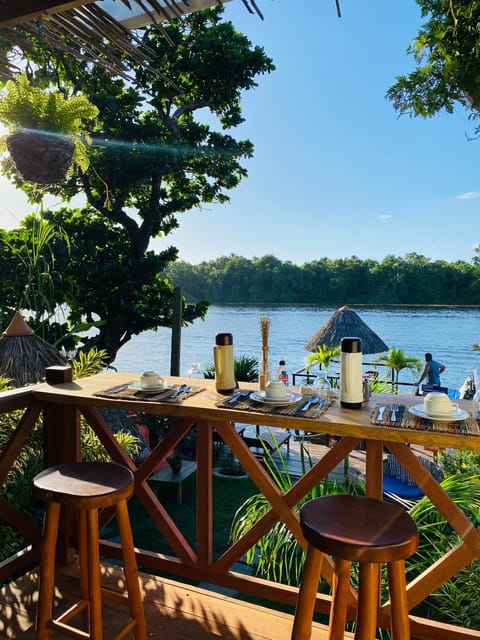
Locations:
{"points": [[355, 529], [87, 487]]}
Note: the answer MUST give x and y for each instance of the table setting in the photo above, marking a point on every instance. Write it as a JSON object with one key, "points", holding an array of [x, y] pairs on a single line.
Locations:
{"points": [[279, 399], [435, 413], [150, 387]]}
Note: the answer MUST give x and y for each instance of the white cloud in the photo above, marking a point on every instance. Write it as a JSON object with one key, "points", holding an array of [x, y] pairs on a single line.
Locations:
{"points": [[384, 216], [468, 195]]}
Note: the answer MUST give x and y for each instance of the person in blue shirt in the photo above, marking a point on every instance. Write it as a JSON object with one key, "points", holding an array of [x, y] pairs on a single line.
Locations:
{"points": [[432, 370]]}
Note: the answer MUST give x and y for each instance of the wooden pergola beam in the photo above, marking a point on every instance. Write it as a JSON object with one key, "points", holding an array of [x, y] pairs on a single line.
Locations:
{"points": [[94, 22], [13, 13]]}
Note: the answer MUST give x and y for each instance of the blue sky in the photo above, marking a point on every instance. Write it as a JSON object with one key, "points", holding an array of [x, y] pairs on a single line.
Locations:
{"points": [[335, 172]]}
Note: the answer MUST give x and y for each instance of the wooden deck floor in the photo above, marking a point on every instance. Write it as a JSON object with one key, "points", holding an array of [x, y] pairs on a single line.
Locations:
{"points": [[173, 611]]}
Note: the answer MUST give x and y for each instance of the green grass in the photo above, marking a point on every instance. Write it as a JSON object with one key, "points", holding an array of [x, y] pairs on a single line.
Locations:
{"points": [[228, 495]]}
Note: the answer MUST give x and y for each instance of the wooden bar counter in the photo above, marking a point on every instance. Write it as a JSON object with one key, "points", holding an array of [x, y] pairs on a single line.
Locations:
{"points": [[63, 403]]}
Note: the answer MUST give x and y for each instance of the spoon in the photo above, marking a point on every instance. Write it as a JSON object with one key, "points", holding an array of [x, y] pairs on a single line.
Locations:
{"points": [[183, 388], [309, 403]]}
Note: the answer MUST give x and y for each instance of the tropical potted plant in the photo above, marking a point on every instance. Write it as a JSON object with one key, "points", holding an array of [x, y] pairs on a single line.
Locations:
{"points": [[245, 369], [46, 130], [396, 360], [230, 468], [321, 357]]}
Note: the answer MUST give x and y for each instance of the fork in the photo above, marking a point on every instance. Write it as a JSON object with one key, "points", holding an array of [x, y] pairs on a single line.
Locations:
{"points": [[238, 396], [393, 414]]}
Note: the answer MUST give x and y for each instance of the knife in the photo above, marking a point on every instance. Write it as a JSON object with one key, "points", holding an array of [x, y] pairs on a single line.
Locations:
{"points": [[119, 387]]}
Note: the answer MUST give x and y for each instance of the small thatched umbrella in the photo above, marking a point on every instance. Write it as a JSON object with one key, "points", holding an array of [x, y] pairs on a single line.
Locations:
{"points": [[23, 355], [346, 323]]}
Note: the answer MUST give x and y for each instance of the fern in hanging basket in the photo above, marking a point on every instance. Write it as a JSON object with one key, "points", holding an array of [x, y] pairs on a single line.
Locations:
{"points": [[46, 131]]}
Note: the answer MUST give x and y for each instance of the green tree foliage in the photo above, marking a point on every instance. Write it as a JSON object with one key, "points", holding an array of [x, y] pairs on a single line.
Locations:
{"points": [[160, 148], [447, 61], [413, 279]]}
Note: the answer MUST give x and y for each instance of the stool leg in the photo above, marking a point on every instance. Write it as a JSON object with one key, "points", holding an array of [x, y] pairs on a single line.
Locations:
{"points": [[47, 570], [368, 600], [131, 572], [93, 563], [340, 593], [302, 624], [398, 600], [83, 562]]}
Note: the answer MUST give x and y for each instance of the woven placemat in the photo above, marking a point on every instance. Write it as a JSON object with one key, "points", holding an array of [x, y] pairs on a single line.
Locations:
{"points": [[406, 420], [170, 395], [247, 404]]}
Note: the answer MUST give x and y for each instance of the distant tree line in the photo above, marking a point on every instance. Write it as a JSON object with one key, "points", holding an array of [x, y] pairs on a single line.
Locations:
{"points": [[413, 279]]}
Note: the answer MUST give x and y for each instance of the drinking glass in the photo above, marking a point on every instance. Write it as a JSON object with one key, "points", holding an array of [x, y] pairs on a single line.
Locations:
{"points": [[195, 371], [322, 386]]}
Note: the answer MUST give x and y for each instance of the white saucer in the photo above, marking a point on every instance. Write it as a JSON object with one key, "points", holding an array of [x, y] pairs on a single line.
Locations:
{"points": [[259, 396], [152, 389], [419, 411]]}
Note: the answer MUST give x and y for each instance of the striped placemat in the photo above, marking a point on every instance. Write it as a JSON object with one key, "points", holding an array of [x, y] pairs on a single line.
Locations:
{"points": [[171, 395], [294, 409], [406, 420]]}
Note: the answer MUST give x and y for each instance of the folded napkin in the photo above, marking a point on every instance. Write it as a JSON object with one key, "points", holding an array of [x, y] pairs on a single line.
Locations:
{"points": [[406, 420], [122, 392]]}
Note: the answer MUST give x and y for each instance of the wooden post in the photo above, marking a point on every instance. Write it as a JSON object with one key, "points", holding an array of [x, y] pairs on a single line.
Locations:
{"points": [[176, 332], [61, 424], [61, 428]]}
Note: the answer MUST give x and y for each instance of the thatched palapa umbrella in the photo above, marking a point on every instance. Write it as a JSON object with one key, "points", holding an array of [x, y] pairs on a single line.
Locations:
{"points": [[23, 355], [346, 323]]}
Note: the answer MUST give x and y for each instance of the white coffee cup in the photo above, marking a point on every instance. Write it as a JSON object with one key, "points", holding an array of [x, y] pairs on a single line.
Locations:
{"points": [[439, 404], [276, 390], [150, 379]]}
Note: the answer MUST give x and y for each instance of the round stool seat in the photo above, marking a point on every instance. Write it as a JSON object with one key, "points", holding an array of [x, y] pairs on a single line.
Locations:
{"points": [[85, 484], [359, 528]]}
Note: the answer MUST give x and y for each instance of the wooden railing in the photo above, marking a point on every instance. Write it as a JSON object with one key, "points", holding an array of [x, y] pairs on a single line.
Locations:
{"points": [[21, 401], [60, 409]]}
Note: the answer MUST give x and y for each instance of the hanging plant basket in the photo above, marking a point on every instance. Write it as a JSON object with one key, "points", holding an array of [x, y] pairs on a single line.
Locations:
{"points": [[39, 157]]}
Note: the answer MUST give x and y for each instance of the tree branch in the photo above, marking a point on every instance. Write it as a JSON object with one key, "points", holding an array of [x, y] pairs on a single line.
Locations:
{"points": [[113, 212], [192, 106]]}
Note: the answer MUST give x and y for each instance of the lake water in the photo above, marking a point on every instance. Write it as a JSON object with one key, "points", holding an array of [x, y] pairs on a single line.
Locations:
{"points": [[447, 332]]}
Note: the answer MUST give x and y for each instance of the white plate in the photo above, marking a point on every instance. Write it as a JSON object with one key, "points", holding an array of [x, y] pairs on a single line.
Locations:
{"points": [[259, 396], [152, 389], [419, 411]]}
